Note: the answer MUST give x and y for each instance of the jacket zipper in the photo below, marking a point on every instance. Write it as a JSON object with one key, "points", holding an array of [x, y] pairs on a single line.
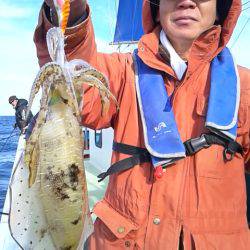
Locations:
{"points": [[180, 201], [178, 86]]}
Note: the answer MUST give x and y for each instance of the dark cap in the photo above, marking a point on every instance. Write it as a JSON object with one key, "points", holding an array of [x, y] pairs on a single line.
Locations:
{"points": [[12, 98]]}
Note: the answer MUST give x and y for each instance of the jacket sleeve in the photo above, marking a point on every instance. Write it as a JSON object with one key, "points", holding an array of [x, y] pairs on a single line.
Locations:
{"points": [[245, 105], [247, 158], [20, 123], [20, 117], [80, 43]]}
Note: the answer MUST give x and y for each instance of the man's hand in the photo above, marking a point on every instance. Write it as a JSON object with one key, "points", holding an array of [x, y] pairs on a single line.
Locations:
{"points": [[77, 12], [24, 130]]}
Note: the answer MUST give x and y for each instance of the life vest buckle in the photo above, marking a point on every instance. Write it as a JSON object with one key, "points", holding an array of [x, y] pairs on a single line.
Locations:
{"points": [[228, 155], [196, 144]]}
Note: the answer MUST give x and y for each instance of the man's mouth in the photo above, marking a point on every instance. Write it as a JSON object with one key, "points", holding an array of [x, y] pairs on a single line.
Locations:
{"points": [[184, 20]]}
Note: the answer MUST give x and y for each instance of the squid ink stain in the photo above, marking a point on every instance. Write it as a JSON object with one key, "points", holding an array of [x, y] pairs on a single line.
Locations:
{"points": [[42, 232], [57, 183], [73, 175], [75, 222]]}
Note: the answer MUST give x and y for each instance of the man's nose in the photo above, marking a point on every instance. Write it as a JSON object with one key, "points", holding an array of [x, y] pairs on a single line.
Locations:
{"points": [[186, 4]]}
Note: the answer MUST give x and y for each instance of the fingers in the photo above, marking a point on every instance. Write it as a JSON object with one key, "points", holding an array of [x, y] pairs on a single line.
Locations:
{"points": [[77, 12]]}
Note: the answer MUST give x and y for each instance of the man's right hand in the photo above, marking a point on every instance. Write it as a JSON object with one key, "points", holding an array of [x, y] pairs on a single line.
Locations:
{"points": [[77, 12]]}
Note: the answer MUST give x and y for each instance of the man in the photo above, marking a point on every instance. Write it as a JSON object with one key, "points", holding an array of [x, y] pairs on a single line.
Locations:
{"points": [[164, 197], [20, 105]]}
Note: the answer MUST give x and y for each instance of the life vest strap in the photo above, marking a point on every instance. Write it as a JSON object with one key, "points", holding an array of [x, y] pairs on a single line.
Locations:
{"points": [[141, 156], [192, 146]]}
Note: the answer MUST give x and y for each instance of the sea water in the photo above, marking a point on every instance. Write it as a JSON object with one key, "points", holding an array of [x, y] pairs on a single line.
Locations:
{"points": [[8, 145]]}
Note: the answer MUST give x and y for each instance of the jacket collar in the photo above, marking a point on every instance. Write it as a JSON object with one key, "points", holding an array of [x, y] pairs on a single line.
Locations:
{"points": [[204, 49], [177, 63]]}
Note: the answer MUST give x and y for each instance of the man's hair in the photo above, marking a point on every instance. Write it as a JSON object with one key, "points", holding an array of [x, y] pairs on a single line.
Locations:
{"points": [[12, 99], [223, 6]]}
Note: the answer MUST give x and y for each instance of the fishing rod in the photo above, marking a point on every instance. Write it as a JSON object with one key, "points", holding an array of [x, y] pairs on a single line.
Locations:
{"points": [[3, 213], [7, 139]]}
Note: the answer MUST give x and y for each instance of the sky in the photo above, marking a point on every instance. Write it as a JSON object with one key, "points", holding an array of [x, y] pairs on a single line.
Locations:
{"points": [[18, 61]]}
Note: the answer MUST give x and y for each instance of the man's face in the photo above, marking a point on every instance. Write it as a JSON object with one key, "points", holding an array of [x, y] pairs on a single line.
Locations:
{"points": [[14, 103], [185, 20]]}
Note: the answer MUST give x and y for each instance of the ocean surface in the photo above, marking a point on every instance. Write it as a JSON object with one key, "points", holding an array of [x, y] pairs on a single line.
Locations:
{"points": [[8, 144]]}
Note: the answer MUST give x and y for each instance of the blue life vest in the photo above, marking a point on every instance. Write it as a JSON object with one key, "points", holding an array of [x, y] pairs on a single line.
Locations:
{"points": [[161, 135], [162, 139]]}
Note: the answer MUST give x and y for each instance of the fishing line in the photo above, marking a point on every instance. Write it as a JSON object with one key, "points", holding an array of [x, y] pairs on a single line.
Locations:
{"points": [[245, 9], [237, 38], [245, 3], [7, 139]]}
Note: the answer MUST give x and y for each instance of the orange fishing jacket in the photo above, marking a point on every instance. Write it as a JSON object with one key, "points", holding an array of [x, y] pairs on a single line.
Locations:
{"points": [[200, 202]]}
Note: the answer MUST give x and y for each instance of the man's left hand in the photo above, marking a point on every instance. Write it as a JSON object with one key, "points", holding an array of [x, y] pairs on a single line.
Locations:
{"points": [[77, 12], [24, 130]]}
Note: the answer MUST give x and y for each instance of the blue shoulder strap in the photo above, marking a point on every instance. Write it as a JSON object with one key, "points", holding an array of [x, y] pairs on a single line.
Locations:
{"points": [[224, 96], [161, 135]]}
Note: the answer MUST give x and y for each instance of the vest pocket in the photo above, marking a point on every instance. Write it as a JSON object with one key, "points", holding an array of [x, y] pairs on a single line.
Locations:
{"points": [[210, 162], [111, 228], [207, 160]]}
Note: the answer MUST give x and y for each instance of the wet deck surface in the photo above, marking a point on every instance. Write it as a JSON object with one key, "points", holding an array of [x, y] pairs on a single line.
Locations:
{"points": [[96, 190]]}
